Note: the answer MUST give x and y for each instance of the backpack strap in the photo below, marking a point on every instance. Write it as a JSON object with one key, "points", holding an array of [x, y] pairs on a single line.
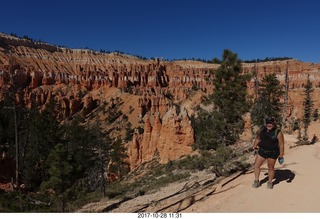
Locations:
{"points": [[260, 130], [275, 133]]}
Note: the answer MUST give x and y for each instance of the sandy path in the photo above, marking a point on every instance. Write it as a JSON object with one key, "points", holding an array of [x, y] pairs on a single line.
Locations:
{"points": [[297, 187]]}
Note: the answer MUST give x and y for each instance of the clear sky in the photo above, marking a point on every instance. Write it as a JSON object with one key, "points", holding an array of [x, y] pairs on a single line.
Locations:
{"points": [[172, 29]]}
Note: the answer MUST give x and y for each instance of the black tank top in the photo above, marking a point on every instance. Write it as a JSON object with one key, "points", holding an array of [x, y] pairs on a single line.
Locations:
{"points": [[268, 139]]}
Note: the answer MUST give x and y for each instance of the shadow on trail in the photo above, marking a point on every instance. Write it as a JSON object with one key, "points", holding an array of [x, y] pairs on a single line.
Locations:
{"points": [[280, 175]]}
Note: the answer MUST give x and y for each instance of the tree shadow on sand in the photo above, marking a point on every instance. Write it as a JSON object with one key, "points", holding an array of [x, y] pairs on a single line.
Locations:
{"points": [[280, 175]]}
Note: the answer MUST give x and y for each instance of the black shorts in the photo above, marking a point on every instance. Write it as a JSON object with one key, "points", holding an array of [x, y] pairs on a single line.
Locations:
{"points": [[274, 154]]}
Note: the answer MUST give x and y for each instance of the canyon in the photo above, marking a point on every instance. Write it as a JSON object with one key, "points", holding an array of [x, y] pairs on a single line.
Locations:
{"points": [[157, 95]]}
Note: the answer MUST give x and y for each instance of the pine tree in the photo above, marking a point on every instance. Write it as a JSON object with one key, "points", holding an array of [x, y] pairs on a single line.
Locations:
{"points": [[308, 107], [91, 149], [230, 98], [268, 100], [118, 156], [81, 142], [44, 133], [225, 123], [315, 115], [6, 124], [62, 175], [103, 148]]}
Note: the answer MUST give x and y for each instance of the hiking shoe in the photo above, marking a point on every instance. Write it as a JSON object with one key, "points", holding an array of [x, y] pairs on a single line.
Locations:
{"points": [[270, 185], [256, 184]]}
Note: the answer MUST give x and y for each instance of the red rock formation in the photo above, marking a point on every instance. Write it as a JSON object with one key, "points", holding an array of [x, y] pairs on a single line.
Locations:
{"points": [[50, 66], [147, 150], [297, 78], [134, 150], [44, 72], [170, 138], [176, 136]]}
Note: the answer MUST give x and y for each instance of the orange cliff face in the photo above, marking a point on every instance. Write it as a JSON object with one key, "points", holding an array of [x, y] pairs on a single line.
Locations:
{"points": [[168, 139], [43, 70], [80, 80]]}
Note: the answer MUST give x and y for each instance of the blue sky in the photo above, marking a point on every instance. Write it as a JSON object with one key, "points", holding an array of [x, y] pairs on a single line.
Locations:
{"points": [[172, 29]]}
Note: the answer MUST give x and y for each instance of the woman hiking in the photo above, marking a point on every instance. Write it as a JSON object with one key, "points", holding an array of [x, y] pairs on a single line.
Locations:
{"points": [[270, 145]]}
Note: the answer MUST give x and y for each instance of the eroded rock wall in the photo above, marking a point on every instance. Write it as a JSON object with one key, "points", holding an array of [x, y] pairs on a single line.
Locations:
{"points": [[72, 77]]}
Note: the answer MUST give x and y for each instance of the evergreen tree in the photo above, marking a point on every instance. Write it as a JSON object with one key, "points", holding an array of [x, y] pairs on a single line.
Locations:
{"points": [[129, 132], [103, 149], [118, 156], [81, 143], [230, 98], [315, 115], [62, 175], [91, 149], [44, 133], [6, 124], [230, 103], [267, 102], [308, 107], [208, 130]]}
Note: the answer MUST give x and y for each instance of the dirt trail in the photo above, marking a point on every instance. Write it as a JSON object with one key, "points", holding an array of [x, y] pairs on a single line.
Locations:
{"points": [[296, 187]]}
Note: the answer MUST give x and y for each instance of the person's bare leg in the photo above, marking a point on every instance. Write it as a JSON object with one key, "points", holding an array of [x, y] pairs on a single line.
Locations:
{"points": [[257, 166], [271, 164]]}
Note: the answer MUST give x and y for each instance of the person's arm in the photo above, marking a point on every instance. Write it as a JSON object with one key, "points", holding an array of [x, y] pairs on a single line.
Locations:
{"points": [[256, 141], [281, 144]]}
